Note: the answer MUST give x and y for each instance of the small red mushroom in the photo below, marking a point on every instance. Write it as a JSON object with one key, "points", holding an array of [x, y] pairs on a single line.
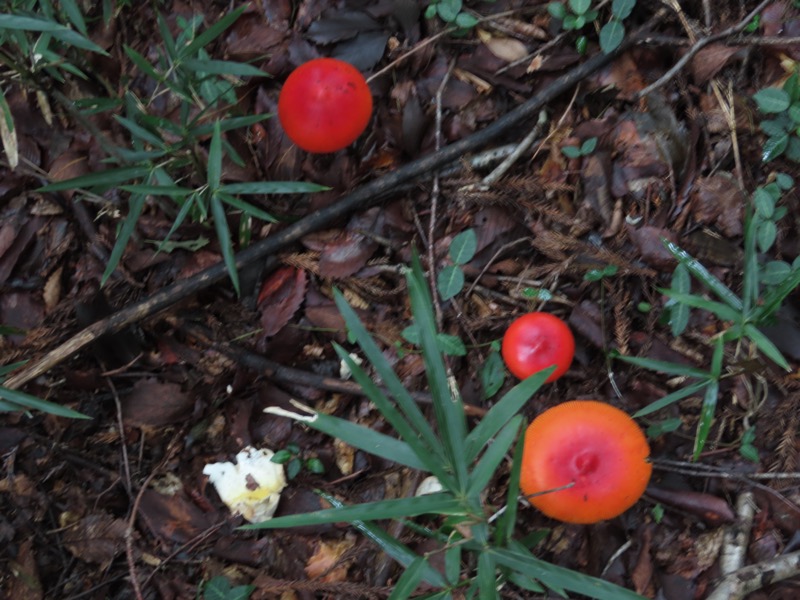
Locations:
{"points": [[592, 455], [536, 341], [324, 105]]}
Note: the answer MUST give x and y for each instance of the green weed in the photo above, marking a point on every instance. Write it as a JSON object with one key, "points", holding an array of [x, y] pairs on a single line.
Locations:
{"points": [[464, 461]]}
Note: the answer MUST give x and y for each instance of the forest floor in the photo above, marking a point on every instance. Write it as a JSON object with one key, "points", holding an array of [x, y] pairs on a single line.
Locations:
{"points": [[662, 142]]}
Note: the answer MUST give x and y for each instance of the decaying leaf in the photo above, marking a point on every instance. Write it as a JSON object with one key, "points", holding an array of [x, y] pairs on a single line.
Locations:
{"points": [[280, 297]]}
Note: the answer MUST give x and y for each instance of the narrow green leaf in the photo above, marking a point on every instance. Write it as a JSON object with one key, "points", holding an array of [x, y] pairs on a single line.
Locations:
{"points": [[502, 412], [487, 577], [766, 346], [166, 37], [214, 166], [200, 130], [171, 191], [452, 562], [75, 16], [437, 504], [706, 417], [224, 238], [20, 401], [663, 366], [141, 133], [486, 468], [463, 247], [723, 311], [213, 32], [506, 524], [679, 313], [750, 283], [409, 580], [224, 67], [391, 546], [405, 402], [556, 577], [135, 206], [103, 179], [246, 207], [447, 405], [273, 187], [705, 277], [58, 31], [689, 390], [774, 298]]}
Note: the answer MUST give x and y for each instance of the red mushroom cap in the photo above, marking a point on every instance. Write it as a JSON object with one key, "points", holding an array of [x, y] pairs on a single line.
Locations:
{"points": [[536, 341], [324, 105], [592, 447]]}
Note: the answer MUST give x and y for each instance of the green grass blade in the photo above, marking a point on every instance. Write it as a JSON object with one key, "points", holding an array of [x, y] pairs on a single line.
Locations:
{"points": [[20, 401], [142, 64], [224, 67], [689, 390], [359, 437], [188, 204], [429, 458], [224, 237], [75, 16], [246, 207], [102, 179], [196, 130], [486, 468], [662, 366], [447, 405], [137, 131], [404, 400], [773, 298], [393, 547], [273, 187], [679, 313], [437, 504], [487, 577], [706, 417], [135, 206], [750, 269], [58, 31], [217, 29], [506, 523], [766, 346], [214, 166], [409, 580], [556, 577], [8, 133], [723, 311], [171, 191], [500, 413], [166, 37], [704, 276]]}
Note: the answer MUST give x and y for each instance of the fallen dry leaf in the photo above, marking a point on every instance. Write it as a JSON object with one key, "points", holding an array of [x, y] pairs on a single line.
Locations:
{"points": [[325, 562]]}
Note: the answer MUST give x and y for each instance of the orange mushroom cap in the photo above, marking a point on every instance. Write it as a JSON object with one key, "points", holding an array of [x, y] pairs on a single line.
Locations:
{"points": [[591, 446]]}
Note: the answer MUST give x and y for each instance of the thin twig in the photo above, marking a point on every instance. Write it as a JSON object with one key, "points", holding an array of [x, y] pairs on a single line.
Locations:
{"points": [[745, 581]]}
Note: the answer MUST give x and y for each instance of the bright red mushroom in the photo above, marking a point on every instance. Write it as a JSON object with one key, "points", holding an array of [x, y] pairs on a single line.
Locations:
{"points": [[324, 105], [536, 341], [594, 451]]}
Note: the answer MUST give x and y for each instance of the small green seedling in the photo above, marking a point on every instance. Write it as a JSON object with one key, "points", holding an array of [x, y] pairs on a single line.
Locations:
{"points": [[576, 14], [450, 280], [585, 149], [219, 588], [451, 12], [290, 457], [783, 128]]}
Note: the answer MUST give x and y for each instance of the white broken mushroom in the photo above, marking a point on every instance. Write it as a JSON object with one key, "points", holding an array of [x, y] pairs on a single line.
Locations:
{"points": [[250, 487]]}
